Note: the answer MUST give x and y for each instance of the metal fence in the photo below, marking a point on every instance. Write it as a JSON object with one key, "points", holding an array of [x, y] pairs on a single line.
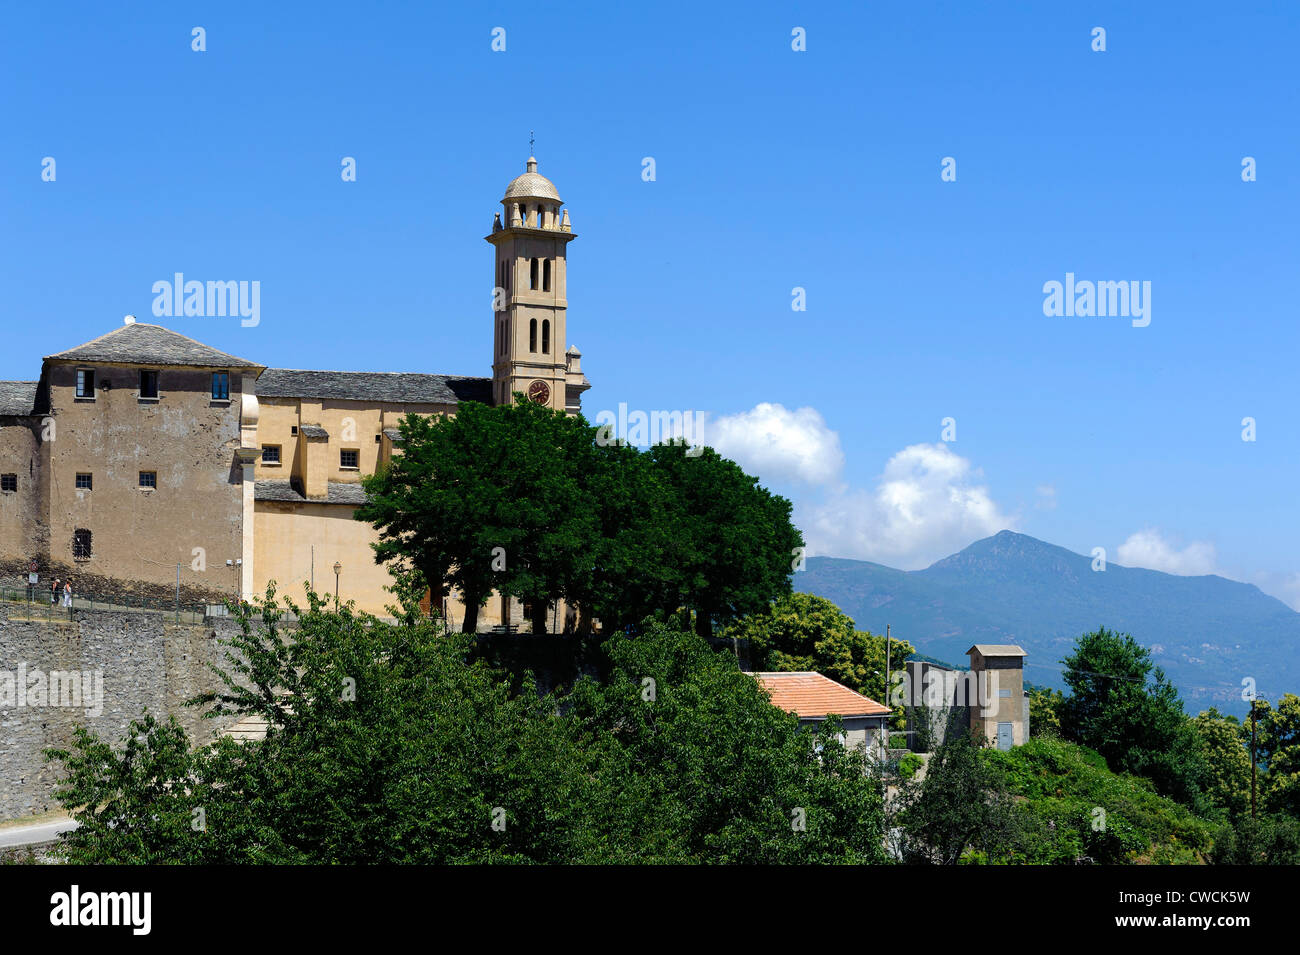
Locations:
{"points": [[42, 603]]}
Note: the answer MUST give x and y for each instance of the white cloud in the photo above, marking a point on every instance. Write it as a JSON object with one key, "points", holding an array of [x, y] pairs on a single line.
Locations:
{"points": [[1046, 497], [927, 504], [777, 444], [1148, 548]]}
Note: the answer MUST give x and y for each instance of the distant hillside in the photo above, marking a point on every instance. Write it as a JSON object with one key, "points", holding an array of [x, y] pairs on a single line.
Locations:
{"points": [[1207, 632]]}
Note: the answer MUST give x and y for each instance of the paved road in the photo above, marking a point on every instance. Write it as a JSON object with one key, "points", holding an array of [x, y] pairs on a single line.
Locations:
{"points": [[16, 836]]}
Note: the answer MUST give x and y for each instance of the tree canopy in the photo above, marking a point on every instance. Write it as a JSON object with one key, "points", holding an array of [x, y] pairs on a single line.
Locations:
{"points": [[386, 744], [539, 505]]}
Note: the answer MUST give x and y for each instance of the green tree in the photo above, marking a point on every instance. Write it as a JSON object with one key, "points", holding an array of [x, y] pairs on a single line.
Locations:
{"points": [[436, 504], [1278, 747], [1127, 710], [387, 745], [737, 547], [693, 763], [1227, 761], [962, 804], [1266, 840], [1044, 710], [801, 631], [547, 519]]}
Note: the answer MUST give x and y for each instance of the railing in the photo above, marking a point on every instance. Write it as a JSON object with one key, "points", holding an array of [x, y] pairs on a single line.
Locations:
{"points": [[42, 603]]}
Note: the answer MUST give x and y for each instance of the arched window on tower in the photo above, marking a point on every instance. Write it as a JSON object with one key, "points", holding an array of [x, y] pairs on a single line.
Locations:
{"points": [[546, 275], [546, 336], [532, 273], [532, 334]]}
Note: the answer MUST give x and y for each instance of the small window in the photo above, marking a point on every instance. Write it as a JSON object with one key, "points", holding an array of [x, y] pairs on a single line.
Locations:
{"points": [[8, 482], [293, 429], [81, 544], [84, 482], [349, 458], [85, 383], [148, 383], [148, 478], [220, 386], [532, 273], [546, 275], [546, 336], [532, 334], [378, 438], [270, 454]]}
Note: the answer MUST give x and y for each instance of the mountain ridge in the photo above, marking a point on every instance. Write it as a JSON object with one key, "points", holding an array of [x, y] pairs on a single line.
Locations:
{"points": [[1208, 632]]}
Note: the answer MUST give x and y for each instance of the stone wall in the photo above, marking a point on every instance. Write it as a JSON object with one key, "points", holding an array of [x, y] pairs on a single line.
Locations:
{"points": [[145, 661]]}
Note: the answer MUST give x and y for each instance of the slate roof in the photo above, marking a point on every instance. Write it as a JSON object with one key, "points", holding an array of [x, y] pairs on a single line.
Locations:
{"points": [[141, 343], [338, 493], [312, 431], [17, 397], [393, 435], [812, 696], [397, 387]]}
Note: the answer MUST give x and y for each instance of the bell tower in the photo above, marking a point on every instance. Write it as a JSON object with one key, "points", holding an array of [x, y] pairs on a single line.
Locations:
{"points": [[529, 305]]}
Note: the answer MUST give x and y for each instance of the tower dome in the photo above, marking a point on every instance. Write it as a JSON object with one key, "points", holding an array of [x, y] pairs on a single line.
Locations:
{"points": [[531, 185]]}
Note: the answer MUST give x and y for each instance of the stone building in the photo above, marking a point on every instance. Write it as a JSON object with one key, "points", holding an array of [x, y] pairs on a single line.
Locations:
{"points": [[145, 462]]}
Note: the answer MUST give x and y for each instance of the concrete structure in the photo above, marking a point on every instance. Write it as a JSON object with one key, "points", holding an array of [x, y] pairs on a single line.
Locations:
{"points": [[812, 697], [989, 698], [147, 463], [1004, 719]]}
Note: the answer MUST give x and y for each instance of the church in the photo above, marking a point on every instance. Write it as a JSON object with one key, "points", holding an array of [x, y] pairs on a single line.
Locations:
{"points": [[145, 463]]}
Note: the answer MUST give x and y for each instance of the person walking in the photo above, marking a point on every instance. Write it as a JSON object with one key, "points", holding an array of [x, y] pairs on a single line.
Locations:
{"points": [[67, 593], [54, 591]]}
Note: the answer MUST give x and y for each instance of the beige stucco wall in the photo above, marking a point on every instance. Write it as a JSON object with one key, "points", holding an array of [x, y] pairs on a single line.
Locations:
{"points": [[314, 463], [186, 437], [290, 536]]}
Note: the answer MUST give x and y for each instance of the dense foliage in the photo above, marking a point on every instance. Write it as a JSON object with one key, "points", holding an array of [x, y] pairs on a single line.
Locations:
{"points": [[1070, 807], [386, 745], [530, 502], [801, 632], [1127, 710]]}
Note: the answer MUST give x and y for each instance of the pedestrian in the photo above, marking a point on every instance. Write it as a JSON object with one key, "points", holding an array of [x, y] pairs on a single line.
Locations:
{"points": [[54, 591], [67, 594]]}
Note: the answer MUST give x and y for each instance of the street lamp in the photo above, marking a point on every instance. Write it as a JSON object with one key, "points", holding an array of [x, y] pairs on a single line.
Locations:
{"points": [[338, 569]]}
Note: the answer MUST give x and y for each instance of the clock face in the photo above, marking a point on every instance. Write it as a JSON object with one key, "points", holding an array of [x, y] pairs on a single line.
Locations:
{"points": [[540, 392]]}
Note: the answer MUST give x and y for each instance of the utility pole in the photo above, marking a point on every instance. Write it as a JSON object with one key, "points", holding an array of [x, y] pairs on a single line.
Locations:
{"points": [[887, 672], [1252, 759]]}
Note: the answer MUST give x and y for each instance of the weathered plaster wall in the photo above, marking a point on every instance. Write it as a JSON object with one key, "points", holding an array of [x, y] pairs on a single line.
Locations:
{"points": [[184, 436], [21, 528]]}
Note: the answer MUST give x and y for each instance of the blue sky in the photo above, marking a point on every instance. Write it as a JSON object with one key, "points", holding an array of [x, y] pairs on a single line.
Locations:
{"points": [[775, 169]]}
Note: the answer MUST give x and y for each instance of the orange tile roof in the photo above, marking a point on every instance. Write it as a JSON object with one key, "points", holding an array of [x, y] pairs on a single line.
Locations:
{"points": [[811, 695]]}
